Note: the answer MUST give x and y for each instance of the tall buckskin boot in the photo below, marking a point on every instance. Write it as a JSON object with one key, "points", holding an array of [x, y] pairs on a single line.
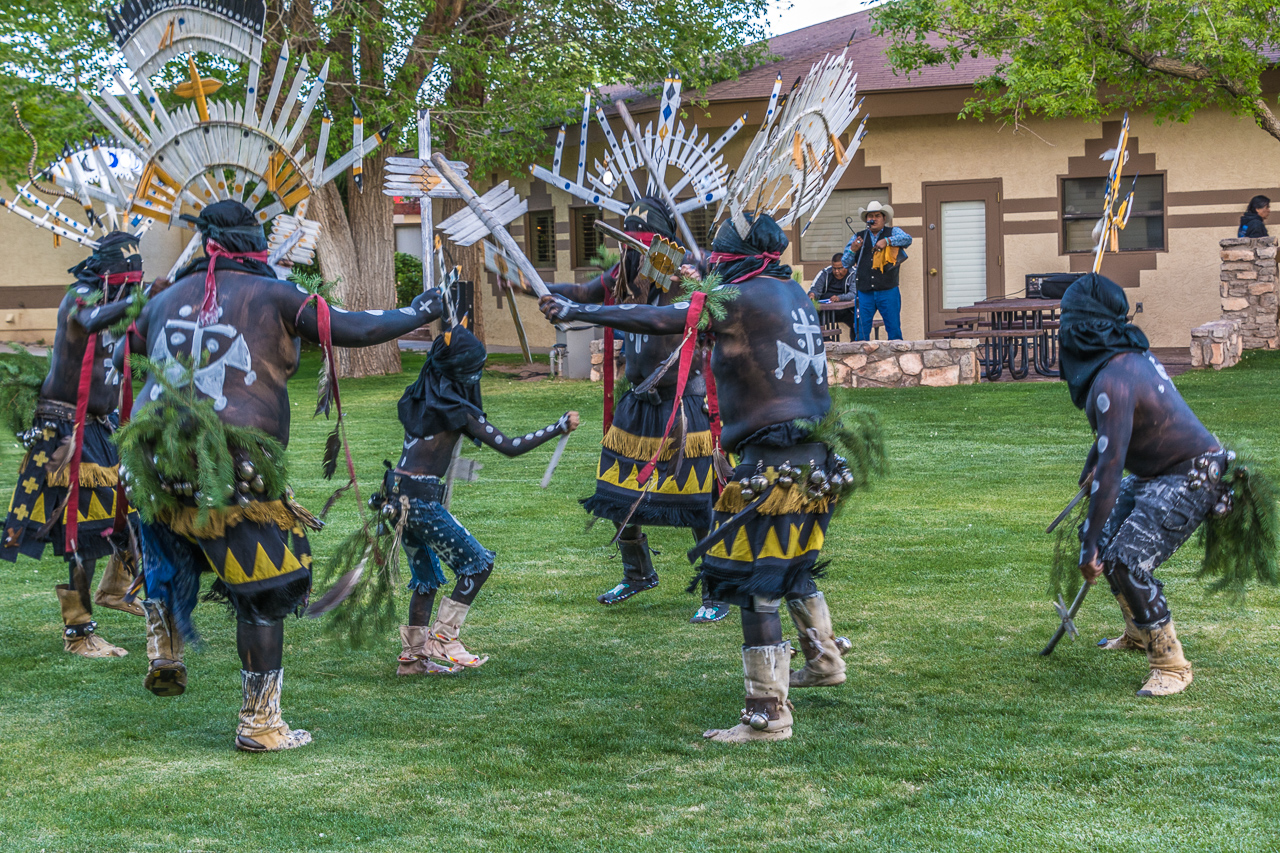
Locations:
{"points": [[166, 673], [115, 583], [261, 728], [1131, 640], [1170, 671], [413, 653], [78, 635], [443, 643], [823, 651], [637, 571], [768, 713]]}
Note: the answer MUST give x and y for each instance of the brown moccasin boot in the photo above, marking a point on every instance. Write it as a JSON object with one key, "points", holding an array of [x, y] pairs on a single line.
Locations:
{"points": [[1170, 671], [413, 653], [823, 653], [1131, 640], [443, 643], [115, 583], [261, 728], [78, 633], [166, 673], [767, 716]]}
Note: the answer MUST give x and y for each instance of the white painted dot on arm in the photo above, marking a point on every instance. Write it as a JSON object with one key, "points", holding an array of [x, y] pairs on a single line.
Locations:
{"points": [[1086, 525], [497, 439], [1104, 402], [1160, 387], [489, 429], [1094, 487], [1103, 443], [515, 442]]}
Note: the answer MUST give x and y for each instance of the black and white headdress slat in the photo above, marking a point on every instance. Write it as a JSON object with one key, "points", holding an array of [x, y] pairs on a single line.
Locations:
{"points": [[796, 158], [698, 163], [213, 149], [95, 172]]}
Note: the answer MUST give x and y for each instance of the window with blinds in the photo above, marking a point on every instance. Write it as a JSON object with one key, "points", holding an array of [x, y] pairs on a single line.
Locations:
{"points": [[586, 239], [829, 233], [542, 238], [964, 252], [1082, 207], [700, 222]]}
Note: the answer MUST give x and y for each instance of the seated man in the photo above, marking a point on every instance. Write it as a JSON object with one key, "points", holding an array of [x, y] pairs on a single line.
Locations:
{"points": [[834, 285], [436, 411], [1176, 467]]}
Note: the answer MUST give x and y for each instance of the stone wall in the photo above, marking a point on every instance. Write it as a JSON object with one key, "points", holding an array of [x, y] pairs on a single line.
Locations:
{"points": [[880, 364], [903, 364], [1217, 344], [597, 357], [1248, 288]]}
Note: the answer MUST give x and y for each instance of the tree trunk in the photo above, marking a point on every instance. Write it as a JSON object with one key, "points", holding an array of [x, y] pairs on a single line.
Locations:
{"points": [[357, 246]]}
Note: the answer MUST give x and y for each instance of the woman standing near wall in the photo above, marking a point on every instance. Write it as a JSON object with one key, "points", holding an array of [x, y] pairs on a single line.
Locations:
{"points": [[1253, 222]]}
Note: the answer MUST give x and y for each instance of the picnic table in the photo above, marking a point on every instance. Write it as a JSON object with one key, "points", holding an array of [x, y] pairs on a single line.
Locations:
{"points": [[832, 328], [1020, 334]]}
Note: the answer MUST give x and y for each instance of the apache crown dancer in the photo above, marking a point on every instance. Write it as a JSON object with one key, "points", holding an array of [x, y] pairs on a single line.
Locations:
{"points": [[681, 497], [38, 512], [1178, 470], [441, 407], [771, 393], [242, 325]]}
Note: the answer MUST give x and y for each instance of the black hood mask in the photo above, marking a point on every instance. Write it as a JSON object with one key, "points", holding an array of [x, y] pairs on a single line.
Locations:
{"points": [[1094, 328], [234, 227], [116, 253], [764, 236], [448, 387], [649, 215]]}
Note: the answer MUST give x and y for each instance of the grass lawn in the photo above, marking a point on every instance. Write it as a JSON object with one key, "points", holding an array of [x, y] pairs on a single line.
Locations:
{"points": [[584, 730]]}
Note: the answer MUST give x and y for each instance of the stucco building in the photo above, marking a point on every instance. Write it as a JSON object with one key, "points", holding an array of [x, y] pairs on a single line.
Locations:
{"points": [[986, 206]]}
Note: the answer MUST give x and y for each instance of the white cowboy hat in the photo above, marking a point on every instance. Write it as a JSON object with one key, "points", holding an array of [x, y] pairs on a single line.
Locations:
{"points": [[877, 207]]}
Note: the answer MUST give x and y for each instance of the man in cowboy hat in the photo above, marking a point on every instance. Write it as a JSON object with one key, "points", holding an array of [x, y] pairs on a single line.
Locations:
{"points": [[874, 255]]}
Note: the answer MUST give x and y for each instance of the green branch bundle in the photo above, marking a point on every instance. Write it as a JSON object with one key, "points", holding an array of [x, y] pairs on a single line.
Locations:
{"points": [[180, 437], [21, 376]]}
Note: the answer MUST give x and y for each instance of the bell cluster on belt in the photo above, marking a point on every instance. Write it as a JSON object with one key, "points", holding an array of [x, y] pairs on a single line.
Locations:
{"points": [[817, 482], [1206, 472]]}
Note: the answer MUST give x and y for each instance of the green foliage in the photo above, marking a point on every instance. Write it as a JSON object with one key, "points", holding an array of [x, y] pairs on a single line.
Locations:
{"points": [[1093, 58], [1242, 545], [311, 279], [369, 611], [718, 297], [855, 433], [408, 278], [495, 73], [21, 375], [180, 437], [605, 258], [1064, 570]]}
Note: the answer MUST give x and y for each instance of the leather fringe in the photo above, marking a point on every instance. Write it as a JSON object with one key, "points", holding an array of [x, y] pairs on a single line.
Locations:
{"points": [[780, 501], [633, 446], [184, 521], [91, 476]]}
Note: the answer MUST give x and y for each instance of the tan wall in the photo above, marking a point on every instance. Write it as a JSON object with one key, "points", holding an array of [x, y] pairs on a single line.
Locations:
{"points": [[32, 260], [1214, 152]]}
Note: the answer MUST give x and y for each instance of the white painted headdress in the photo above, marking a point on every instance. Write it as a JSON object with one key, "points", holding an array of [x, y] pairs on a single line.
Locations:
{"points": [[212, 150], [796, 158], [99, 177], [698, 163]]}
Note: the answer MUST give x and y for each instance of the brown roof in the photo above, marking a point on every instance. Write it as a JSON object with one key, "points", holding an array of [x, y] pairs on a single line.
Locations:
{"points": [[798, 51]]}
